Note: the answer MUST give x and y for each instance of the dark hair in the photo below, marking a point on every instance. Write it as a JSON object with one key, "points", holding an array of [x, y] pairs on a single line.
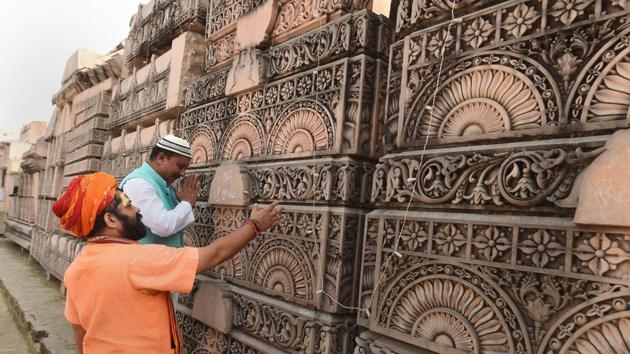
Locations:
{"points": [[156, 150], [111, 208]]}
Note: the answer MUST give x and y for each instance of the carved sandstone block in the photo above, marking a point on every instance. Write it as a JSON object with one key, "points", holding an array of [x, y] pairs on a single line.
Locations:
{"points": [[213, 305], [247, 72], [504, 265], [253, 29], [314, 248], [230, 186], [604, 191]]}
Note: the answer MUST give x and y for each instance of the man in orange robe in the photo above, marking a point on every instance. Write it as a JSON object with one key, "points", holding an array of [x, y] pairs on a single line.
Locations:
{"points": [[118, 297]]}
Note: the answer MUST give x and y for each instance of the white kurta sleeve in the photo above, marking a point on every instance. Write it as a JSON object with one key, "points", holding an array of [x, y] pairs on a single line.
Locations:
{"points": [[160, 221]]}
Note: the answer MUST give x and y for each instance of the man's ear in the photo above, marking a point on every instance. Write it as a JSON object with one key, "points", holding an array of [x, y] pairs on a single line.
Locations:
{"points": [[111, 221]]}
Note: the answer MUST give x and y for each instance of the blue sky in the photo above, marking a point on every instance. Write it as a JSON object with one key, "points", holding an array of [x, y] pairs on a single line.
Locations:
{"points": [[38, 36]]}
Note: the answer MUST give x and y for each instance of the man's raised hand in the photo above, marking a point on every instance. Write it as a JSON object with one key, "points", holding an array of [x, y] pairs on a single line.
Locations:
{"points": [[267, 217], [189, 189]]}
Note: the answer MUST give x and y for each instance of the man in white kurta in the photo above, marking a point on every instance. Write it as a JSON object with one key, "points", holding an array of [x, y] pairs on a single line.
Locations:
{"points": [[165, 212]]}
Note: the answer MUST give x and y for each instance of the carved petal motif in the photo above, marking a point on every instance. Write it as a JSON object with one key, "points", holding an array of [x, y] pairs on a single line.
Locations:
{"points": [[280, 270], [202, 148], [303, 130], [451, 314], [611, 100], [242, 141], [611, 337], [480, 101]]}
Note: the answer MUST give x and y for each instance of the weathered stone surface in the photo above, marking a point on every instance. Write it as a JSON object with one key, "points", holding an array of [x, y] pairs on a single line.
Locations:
{"points": [[247, 72], [253, 29], [267, 325], [230, 186], [213, 305], [604, 193]]}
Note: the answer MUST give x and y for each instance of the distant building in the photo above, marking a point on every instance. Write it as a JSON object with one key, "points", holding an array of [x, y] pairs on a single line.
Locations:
{"points": [[21, 177]]}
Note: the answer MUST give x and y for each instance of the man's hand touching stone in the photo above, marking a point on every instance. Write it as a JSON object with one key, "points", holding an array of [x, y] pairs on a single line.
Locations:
{"points": [[268, 217], [189, 189]]}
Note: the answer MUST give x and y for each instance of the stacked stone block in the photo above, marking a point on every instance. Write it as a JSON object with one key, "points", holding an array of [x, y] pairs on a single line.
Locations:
{"points": [[492, 121], [294, 99]]}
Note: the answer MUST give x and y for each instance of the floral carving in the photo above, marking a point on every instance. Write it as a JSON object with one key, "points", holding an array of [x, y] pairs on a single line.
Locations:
{"points": [[520, 20], [491, 243], [478, 32], [449, 239], [451, 312], [541, 247], [611, 100], [601, 254], [280, 271], [610, 337], [483, 100], [568, 10], [440, 42], [413, 235], [522, 179]]}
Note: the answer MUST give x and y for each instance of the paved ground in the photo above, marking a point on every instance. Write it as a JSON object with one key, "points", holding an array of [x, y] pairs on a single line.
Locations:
{"points": [[10, 336], [37, 303]]}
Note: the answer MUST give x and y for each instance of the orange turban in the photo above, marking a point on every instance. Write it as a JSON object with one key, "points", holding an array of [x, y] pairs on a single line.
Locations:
{"points": [[84, 199]]}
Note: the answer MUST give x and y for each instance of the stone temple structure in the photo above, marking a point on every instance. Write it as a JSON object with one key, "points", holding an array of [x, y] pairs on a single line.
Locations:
{"points": [[455, 173]]}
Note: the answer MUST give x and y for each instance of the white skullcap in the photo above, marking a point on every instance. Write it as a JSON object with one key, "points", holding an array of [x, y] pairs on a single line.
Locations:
{"points": [[175, 144]]}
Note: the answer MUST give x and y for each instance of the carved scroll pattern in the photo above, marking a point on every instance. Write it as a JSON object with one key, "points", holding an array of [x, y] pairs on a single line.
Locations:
{"points": [[207, 88], [226, 12], [523, 179], [139, 99], [161, 24], [337, 181], [289, 331]]}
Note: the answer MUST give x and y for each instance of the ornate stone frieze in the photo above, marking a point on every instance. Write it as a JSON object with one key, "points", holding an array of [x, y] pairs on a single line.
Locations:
{"points": [[264, 325], [157, 23], [517, 177], [223, 15], [221, 50], [321, 180], [292, 331], [522, 273], [352, 33], [291, 117], [210, 87], [527, 75], [294, 15], [312, 181], [312, 248], [133, 100]]}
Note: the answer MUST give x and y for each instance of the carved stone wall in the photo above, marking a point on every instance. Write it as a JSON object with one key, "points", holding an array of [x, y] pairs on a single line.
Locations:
{"points": [[490, 120], [297, 105], [429, 165]]}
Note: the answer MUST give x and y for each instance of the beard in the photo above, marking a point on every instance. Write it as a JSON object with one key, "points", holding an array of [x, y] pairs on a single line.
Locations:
{"points": [[133, 230]]}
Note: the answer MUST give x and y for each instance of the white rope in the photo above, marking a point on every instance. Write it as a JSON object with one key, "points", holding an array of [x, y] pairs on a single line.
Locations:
{"points": [[395, 252]]}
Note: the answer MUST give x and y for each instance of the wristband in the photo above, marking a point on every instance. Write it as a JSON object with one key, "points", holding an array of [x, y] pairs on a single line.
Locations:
{"points": [[253, 227], [257, 224]]}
